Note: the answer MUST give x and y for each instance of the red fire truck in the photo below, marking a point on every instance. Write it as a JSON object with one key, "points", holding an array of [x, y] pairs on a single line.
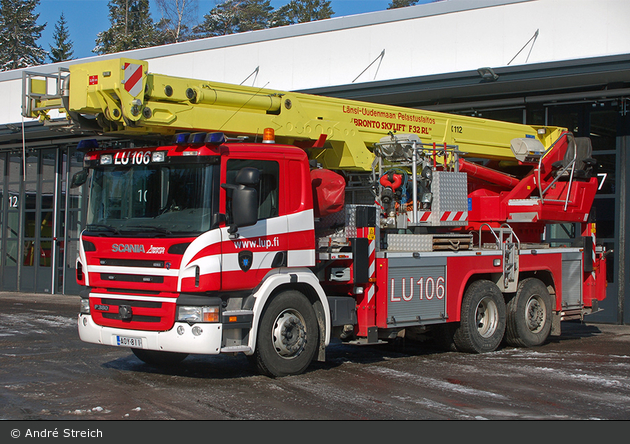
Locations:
{"points": [[272, 223]]}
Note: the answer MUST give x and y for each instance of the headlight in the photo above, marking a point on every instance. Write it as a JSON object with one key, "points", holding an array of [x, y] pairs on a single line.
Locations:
{"points": [[158, 156], [107, 159], [198, 314], [85, 306]]}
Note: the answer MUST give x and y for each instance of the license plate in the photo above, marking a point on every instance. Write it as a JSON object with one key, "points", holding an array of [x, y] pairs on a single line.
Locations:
{"points": [[129, 342]]}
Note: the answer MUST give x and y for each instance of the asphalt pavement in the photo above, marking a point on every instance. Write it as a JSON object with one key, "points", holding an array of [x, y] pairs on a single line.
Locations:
{"points": [[47, 373]]}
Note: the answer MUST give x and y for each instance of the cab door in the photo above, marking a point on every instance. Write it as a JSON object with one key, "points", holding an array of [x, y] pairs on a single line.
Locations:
{"points": [[251, 252]]}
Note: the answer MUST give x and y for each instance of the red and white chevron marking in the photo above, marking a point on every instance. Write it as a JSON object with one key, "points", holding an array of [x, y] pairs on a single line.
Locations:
{"points": [[453, 216], [371, 268], [133, 78], [593, 255], [368, 232], [423, 216]]}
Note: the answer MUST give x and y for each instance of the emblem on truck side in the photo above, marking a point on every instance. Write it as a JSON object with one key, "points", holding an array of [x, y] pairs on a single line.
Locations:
{"points": [[245, 259]]}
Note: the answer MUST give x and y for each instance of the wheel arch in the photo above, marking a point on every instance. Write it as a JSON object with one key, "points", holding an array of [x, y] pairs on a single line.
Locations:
{"points": [[455, 303], [546, 277], [302, 280]]}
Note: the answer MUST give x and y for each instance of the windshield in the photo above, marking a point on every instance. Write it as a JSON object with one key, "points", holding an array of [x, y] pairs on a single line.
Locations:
{"points": [[154, 199]]}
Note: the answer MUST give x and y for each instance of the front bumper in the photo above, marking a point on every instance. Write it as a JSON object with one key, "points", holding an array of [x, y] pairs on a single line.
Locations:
{"points": [[208, 342]]}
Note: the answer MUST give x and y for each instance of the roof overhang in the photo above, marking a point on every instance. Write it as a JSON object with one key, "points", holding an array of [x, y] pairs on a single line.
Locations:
{"points": [[589, 79]]}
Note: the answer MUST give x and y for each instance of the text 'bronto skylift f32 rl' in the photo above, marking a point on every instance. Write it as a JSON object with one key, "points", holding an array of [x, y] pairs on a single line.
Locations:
{"points": [[272, 223]]}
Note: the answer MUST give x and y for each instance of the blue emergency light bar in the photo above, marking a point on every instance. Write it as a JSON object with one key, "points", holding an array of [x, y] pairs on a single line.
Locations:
{"points": [[199, 139], [87, 145]]}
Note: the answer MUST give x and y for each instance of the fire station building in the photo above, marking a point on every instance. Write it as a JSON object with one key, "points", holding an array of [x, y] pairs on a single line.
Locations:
{"points": [[543, 62]]}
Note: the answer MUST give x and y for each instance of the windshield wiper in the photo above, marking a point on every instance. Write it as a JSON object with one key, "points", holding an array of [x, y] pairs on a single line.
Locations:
{"points": [[102, 226], [151, 227]]}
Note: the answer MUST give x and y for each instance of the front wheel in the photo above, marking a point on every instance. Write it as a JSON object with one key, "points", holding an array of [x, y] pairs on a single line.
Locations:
{"points": [[529, 315], [482, 321], [288, 335]]}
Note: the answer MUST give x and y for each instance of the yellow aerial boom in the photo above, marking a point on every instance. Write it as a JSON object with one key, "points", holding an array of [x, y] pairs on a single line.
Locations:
{"points": [[126, 99]]}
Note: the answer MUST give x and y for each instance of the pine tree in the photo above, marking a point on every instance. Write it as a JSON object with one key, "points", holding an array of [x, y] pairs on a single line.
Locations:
{"points": [[221, 20], [394, 4], [18, 35], [302, 11], [63, 46], [234, 16], [254, 15], [131, 28]]}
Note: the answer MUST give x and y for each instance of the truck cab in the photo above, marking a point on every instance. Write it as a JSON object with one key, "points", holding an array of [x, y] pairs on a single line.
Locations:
{"points": [[180, 237]]}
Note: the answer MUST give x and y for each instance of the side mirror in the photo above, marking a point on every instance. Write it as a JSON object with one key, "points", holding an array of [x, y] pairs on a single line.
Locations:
{"points": [[79, 178], [244, 198], [244, 206]]}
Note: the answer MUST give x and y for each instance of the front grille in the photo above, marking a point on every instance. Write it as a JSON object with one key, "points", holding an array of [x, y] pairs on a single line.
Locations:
{"points": [[132, 278], [132, 263], [134, 318], [132, 303], [151, 315]]}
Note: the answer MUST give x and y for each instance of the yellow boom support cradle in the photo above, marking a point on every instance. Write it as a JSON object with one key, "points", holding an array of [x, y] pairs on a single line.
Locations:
{"points": [[128, 100]]}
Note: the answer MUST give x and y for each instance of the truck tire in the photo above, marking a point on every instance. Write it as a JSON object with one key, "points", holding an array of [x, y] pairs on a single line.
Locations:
{"points": [[529, 315], [482, 323], [159, 358], [288, 335]]}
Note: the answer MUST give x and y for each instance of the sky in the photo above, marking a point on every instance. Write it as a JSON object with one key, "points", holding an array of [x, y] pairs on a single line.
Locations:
{"points": [[86, 18]]}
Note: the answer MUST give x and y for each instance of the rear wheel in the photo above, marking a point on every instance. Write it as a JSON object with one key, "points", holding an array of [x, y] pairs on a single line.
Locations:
{"points": [[160, 358], [482, 318], [288, 335], [529, 315]]}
